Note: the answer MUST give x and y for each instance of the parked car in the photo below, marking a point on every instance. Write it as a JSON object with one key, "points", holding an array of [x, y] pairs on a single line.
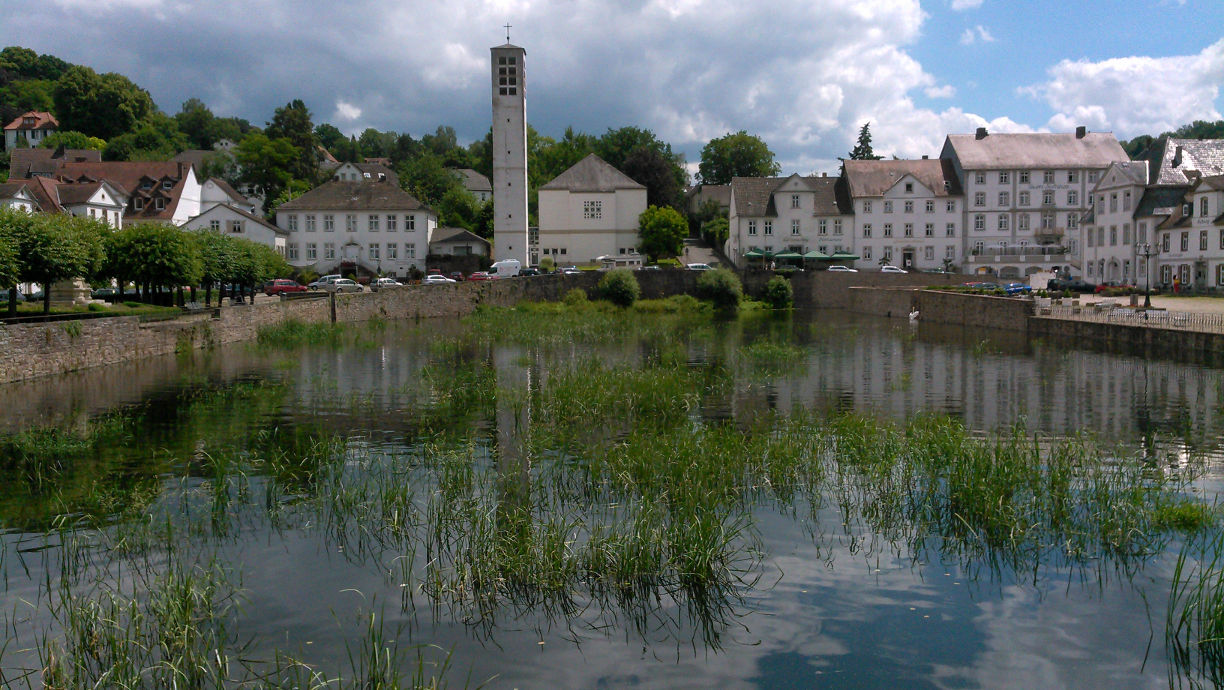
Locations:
{"points": [[456, 276], [436, 279], [1113, 285], [529, 271], [651, 267], [1072, 284], [699, 267], [1017, 288], [980, 285], [506, 268], [282, 285], [381, 283], [343, 285], [323, 281], [842, 269], [480, 275], [571, 271], [892, 269]]}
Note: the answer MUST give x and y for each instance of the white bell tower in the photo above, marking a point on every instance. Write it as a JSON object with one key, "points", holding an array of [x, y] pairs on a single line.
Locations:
{"points": [[509, 152]]}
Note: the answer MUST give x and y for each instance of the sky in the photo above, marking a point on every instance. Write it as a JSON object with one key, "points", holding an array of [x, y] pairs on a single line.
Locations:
{"points": [[803, 75]]}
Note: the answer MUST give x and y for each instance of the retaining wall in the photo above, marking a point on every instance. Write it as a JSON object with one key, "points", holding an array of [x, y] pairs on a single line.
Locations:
{"points": [[831, 289], [1141, 341], [938, 306]]}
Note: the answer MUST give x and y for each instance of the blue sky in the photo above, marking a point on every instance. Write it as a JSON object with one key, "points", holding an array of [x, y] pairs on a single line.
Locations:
{"points": [[802, 74]]}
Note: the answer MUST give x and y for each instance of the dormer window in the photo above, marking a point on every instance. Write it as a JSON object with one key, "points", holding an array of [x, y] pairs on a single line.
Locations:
{"points": [[146, 184], [167, 184], [909, 187], [138, 204], [159, 203]]}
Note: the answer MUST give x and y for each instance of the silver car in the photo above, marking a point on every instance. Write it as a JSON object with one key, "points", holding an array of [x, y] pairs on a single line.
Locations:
{"points": [[343, 285]]}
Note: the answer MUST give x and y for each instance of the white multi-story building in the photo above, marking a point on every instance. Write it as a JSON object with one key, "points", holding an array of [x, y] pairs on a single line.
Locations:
{"points": [[509, 86], [1109, 228], [590, 211], [1182, 200], [239, 222], [17, 195], [797, 214], [908, 213], [99, 199], [375, 226], [1025, 195], [32, 127]]}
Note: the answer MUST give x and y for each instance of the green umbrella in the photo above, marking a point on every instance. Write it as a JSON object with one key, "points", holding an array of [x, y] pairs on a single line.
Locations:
{"points": [[819, 256], [753, 254], [843, 256], [788, 255]]}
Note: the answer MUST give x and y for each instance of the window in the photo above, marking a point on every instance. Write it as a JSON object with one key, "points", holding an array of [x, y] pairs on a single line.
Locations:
{"points": [[214, 225], [1025, 199], [951, 206], [979, 178], [979, 247], [410, 250], [950, 230], [929, 230], [1022, 222], [794, 201], [1072, 177], [329, 250], [837, 226], [1219, 274], [392, 222], [979, 198], [1090, 234], [821, 227], [1185, 241], [291, 223], [310, 222], [909, 230], [752, 227], [1202, 205], [867, 253], [1141, 236], [146, 184], [1004, 177], [979, 222], [929, 253], [1047, 222], [507, 76], [1003, 223], [592, 210], [1113, 202], [909, 187], [1202, 240], [1004, 198], [1164, 243], [329, 223], [1073, 199], [909, 206], [888, 254], [1024, 177], [410, 222], [373, 252], [1113, 235], [293, 251], [769, 227], [888, 229], [888, 207], [866, 229], [1073, 220], [1126, 238], [372, 222], [1092, 176], [235, 226], [866, 206], [949, 252], [930, 206], [1047, 197], [350, 222], [392, 251], [159, 203], [1100, 237], [1221, 239], [312, 251], [1047, 177]]}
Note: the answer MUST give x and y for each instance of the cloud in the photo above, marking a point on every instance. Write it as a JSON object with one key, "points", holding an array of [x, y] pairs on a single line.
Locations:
{"points": [[1134, 95], [975, 34], [961, 5], [346, 112], [945, 91]]}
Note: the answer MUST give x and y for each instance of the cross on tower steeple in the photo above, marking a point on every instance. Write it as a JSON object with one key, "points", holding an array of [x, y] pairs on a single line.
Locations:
{"points": [[507, 32]]}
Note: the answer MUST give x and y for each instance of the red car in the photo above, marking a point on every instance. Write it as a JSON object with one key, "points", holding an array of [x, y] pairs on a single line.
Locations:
{"points": [[480, 275], [276, 287], [456, 276]]}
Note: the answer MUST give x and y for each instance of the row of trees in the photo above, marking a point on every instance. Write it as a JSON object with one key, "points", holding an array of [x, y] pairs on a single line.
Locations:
{"points": [[157, 258]]}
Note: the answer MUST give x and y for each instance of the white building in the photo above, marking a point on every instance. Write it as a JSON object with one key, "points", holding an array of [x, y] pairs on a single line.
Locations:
{"points": [[101, 199], [1109, 229], [1025, 195], [33, 127], [509, 88], [373, 226], [365, 172], [476, 184], [216, 191], [590, 211], [238, 222], [1183, 174], [908, 213], [457, 242], [17, 195], [798, 214], [155, 191]]}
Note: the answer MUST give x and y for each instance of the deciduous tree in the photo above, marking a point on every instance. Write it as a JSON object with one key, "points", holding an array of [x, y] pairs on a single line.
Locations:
{"points": [[736, 155], [661, 231]]}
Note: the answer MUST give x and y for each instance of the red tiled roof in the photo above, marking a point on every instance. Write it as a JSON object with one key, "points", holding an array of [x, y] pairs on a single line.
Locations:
{"points": [[131, 178], [41, 121]]}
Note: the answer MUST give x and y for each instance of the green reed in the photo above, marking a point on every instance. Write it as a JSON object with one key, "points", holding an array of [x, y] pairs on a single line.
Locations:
{"points": [[1194, 627]]}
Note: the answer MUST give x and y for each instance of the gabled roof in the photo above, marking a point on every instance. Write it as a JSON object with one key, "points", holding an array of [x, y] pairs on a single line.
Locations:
{"points": [[473, 181], [197, 158], [25, 163], [128, 177], [1034, 150], [718, 193], [343, 195], [46, 192], [1160, 201], [218, 208], [72, 194], [456, 235], [875, 178], [227, 189], [1212, 182], [10, 190], [592, 174], [1132, 172], [42, 120], [1167, 167], [754, 195]]}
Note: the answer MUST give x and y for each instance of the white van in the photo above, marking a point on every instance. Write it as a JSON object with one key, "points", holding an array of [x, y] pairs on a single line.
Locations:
{"points": [[506, 268]]}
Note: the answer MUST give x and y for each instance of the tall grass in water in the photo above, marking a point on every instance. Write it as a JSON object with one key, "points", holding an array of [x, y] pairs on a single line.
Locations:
{"points": [[291, 334], [1194, 626]]}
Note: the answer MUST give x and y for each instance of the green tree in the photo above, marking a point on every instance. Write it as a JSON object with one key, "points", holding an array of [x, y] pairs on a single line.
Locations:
{"points": [[292, 122], [862, 149], [12, 222], [55, 247], [156, 138], [197, 123], [716, 231], [153, 255], [428, 179], [72, 140], [375, 144], [329, 136], [778, 293], [266, 163], [646, 159], [217, 259], [722, 287], [100, 105], [661, 230], [736, 155], [620, 287]]}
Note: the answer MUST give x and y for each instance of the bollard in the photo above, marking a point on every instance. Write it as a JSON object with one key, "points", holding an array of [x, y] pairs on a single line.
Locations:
{"points": [[332, 299]]}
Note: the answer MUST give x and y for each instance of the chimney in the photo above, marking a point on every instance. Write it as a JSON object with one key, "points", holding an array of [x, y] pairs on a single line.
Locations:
{"points": [[1081, 132], [1177, 156], [981, 133]]}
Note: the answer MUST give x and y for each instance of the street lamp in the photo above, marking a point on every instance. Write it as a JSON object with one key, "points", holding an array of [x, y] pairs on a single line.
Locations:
{"points": [[1147, 251]]}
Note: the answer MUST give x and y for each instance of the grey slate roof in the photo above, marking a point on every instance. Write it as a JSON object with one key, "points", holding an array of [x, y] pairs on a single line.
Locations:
{"points": [[754, 195], [8, 190], [442, 235], [1206, 156], [1135, 172], [1159, 198], [197, 157], [473, 181], [592, 174], [340, 195], [26, 163], [376, 169], [245, 214], [874, 178], [1034, 150]]}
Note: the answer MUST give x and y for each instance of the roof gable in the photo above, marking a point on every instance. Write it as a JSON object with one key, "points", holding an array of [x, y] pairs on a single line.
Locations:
{"points": [[874, 178], [345, 195], [223, 210], [1034, 150], [592, 174]]}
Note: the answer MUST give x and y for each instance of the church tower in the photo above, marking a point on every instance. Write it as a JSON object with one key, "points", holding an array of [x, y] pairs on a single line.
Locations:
{"points": [[509, 153]]}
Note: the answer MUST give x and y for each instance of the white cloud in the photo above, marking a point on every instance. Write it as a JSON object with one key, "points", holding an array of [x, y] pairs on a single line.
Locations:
{"points": [[346, 112], [975, 34], [1134, 95], [961, 5], [945, 91]]}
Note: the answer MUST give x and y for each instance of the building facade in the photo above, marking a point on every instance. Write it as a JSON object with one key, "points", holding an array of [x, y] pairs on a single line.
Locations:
{"points": [[238, 222], [590, 211], [32, 127], [1109, 230], [509, 86], [907, 213], [797, 214]]}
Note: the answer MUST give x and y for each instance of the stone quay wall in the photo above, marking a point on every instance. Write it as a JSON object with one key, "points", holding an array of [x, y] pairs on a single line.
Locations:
{"points": [[938, 306], [1140, 341], [831, 289]]}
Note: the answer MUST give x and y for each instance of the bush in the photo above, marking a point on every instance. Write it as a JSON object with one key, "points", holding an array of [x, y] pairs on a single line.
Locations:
{"points": [[94, 306], [778, 293], [620, 287], [722, 287], [575, 297]]}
